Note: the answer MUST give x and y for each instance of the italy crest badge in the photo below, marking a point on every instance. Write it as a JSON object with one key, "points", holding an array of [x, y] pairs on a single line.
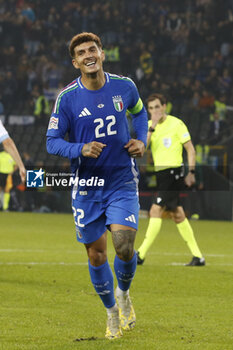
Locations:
{"points": [[118, 103]]}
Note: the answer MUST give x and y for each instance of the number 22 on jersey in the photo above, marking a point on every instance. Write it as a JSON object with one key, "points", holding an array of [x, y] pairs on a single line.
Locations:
{"points": [[110, 121]]}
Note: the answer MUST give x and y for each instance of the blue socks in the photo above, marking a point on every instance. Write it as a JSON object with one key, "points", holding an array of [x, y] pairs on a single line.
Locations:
{"points": [[125, 271], [102, 280]]}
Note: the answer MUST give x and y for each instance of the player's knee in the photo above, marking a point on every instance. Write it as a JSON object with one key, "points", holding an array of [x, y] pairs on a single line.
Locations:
{"points": [[97, 257], [125, 252]]}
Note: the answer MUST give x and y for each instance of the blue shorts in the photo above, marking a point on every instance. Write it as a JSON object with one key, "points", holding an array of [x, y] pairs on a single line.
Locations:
{"points": [[92, 219]]}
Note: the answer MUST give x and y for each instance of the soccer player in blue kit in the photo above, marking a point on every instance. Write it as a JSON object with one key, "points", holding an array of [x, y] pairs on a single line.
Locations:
{"points": [[92, 110]]}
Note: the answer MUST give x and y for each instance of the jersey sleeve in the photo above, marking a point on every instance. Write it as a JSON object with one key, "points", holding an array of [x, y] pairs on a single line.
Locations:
{"points": [[59, 125], [3, 133], [59, 120], [135, 103], [138, 112], [183, 132]]}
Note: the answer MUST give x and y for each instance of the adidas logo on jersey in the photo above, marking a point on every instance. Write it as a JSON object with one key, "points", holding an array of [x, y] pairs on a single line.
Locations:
{"points": [[84, 112], [131, 218]]}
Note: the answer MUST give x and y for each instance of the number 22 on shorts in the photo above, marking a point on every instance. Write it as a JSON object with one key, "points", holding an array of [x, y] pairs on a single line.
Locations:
{"points": [[78, 215]]}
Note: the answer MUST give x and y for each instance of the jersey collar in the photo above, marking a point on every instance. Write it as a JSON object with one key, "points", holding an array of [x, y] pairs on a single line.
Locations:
{"points": [[82, 86]]}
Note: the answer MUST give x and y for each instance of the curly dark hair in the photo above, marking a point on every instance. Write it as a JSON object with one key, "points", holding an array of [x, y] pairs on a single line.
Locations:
{"points": [[83, 38]]}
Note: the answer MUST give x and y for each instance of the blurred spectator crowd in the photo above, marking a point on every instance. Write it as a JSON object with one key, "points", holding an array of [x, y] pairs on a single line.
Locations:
{"points": [[181, 48]]}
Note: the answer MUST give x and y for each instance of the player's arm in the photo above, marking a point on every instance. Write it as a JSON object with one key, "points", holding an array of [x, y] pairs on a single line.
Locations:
{"points": [[136, 147], [10, 148], [59, 124], [58, 146], [191, 156], [139, 120]]}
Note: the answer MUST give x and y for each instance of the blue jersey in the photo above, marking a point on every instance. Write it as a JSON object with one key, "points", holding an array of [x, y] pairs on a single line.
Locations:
{"points": [[98, 115]]}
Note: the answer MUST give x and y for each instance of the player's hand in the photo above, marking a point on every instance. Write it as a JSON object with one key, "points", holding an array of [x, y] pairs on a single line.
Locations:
{"points": [[155, 117], [22, 173], [136, 148], [190, 179], [93, 149]]}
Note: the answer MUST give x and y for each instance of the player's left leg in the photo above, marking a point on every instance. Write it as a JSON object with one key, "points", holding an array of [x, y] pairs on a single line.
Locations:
{"points": [[122, 217], [125, 266], [186, 232]]}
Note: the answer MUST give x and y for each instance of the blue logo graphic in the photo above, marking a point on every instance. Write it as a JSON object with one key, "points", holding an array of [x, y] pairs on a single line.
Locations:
{"points": [[35, 178]]}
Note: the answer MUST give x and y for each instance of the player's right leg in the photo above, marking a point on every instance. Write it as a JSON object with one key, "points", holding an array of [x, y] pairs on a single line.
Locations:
{"points": [[153, 229], [102, 280], [91, 230]]}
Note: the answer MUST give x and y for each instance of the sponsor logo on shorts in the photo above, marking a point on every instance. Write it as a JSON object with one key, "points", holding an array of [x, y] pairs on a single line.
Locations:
{"points": [[131, 218], [78, 233]]}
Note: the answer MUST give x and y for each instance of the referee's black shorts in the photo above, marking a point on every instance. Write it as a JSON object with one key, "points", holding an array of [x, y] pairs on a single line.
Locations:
{"points": [[169, 183], [3, 178]]}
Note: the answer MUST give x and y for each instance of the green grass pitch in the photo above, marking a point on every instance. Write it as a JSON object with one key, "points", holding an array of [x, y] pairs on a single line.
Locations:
{"points": [[47, 301]]}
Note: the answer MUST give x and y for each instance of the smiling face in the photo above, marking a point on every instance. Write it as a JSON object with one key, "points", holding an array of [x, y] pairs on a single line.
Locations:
{"points": [[88, 57]]}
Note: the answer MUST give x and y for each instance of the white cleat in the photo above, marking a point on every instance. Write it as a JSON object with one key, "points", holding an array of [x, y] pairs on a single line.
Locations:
{"points": [[113, 330], [126, 312]]}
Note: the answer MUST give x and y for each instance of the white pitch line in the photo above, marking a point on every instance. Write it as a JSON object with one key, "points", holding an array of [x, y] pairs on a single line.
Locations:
{"points": [[187, 254], [22, 251], [42, 263], [209, 264], [84, 252], [61, 263], [40, 251]]}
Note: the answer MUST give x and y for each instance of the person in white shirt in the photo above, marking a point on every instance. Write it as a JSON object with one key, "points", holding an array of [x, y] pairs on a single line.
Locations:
{"points": [[10, 147]]}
